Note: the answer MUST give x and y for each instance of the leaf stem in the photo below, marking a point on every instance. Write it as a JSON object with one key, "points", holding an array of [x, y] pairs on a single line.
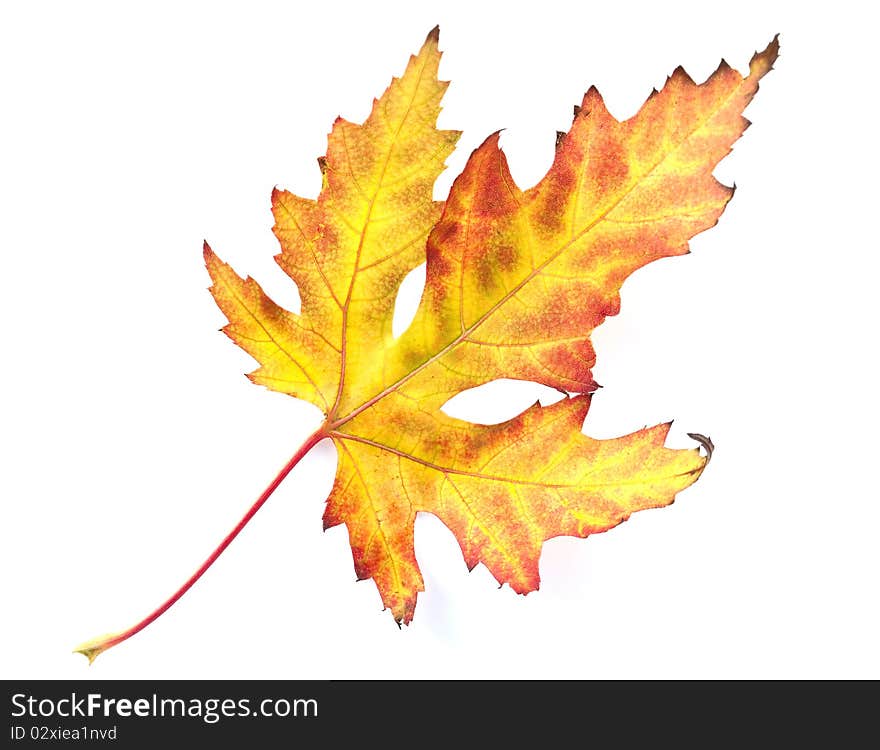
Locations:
{"points": [[91, 649]]}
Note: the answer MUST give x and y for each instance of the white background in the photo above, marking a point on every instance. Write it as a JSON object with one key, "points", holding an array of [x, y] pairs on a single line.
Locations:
{"points": [[131, 442]]}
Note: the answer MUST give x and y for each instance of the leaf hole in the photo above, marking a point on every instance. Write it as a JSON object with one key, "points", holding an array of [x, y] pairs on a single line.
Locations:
{"points": [[408, 296], [499, 400]]}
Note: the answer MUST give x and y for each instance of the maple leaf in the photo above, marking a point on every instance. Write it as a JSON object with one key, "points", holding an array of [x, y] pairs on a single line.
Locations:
{"points": [[516, 281]]}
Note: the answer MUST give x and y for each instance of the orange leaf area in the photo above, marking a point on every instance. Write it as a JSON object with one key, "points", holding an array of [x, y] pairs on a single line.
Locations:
{"points": [[516, 282]]}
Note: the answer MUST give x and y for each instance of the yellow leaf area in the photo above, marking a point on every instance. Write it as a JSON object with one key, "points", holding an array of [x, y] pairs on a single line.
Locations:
{"points": [[516, 282]]}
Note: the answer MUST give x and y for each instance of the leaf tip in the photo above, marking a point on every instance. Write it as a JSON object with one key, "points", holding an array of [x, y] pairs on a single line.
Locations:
{"points": [[591, 102], [762, 62], [705, 443], [433, 35], [680, 74], [492, 144], [579, 403], [660, 432]]}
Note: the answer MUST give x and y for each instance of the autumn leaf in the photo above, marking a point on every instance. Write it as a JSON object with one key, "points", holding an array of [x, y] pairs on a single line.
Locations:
{"points": [[516, 282]]}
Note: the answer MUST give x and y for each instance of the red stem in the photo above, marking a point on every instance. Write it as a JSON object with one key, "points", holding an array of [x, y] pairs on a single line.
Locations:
{"points": [[94, 648]]}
